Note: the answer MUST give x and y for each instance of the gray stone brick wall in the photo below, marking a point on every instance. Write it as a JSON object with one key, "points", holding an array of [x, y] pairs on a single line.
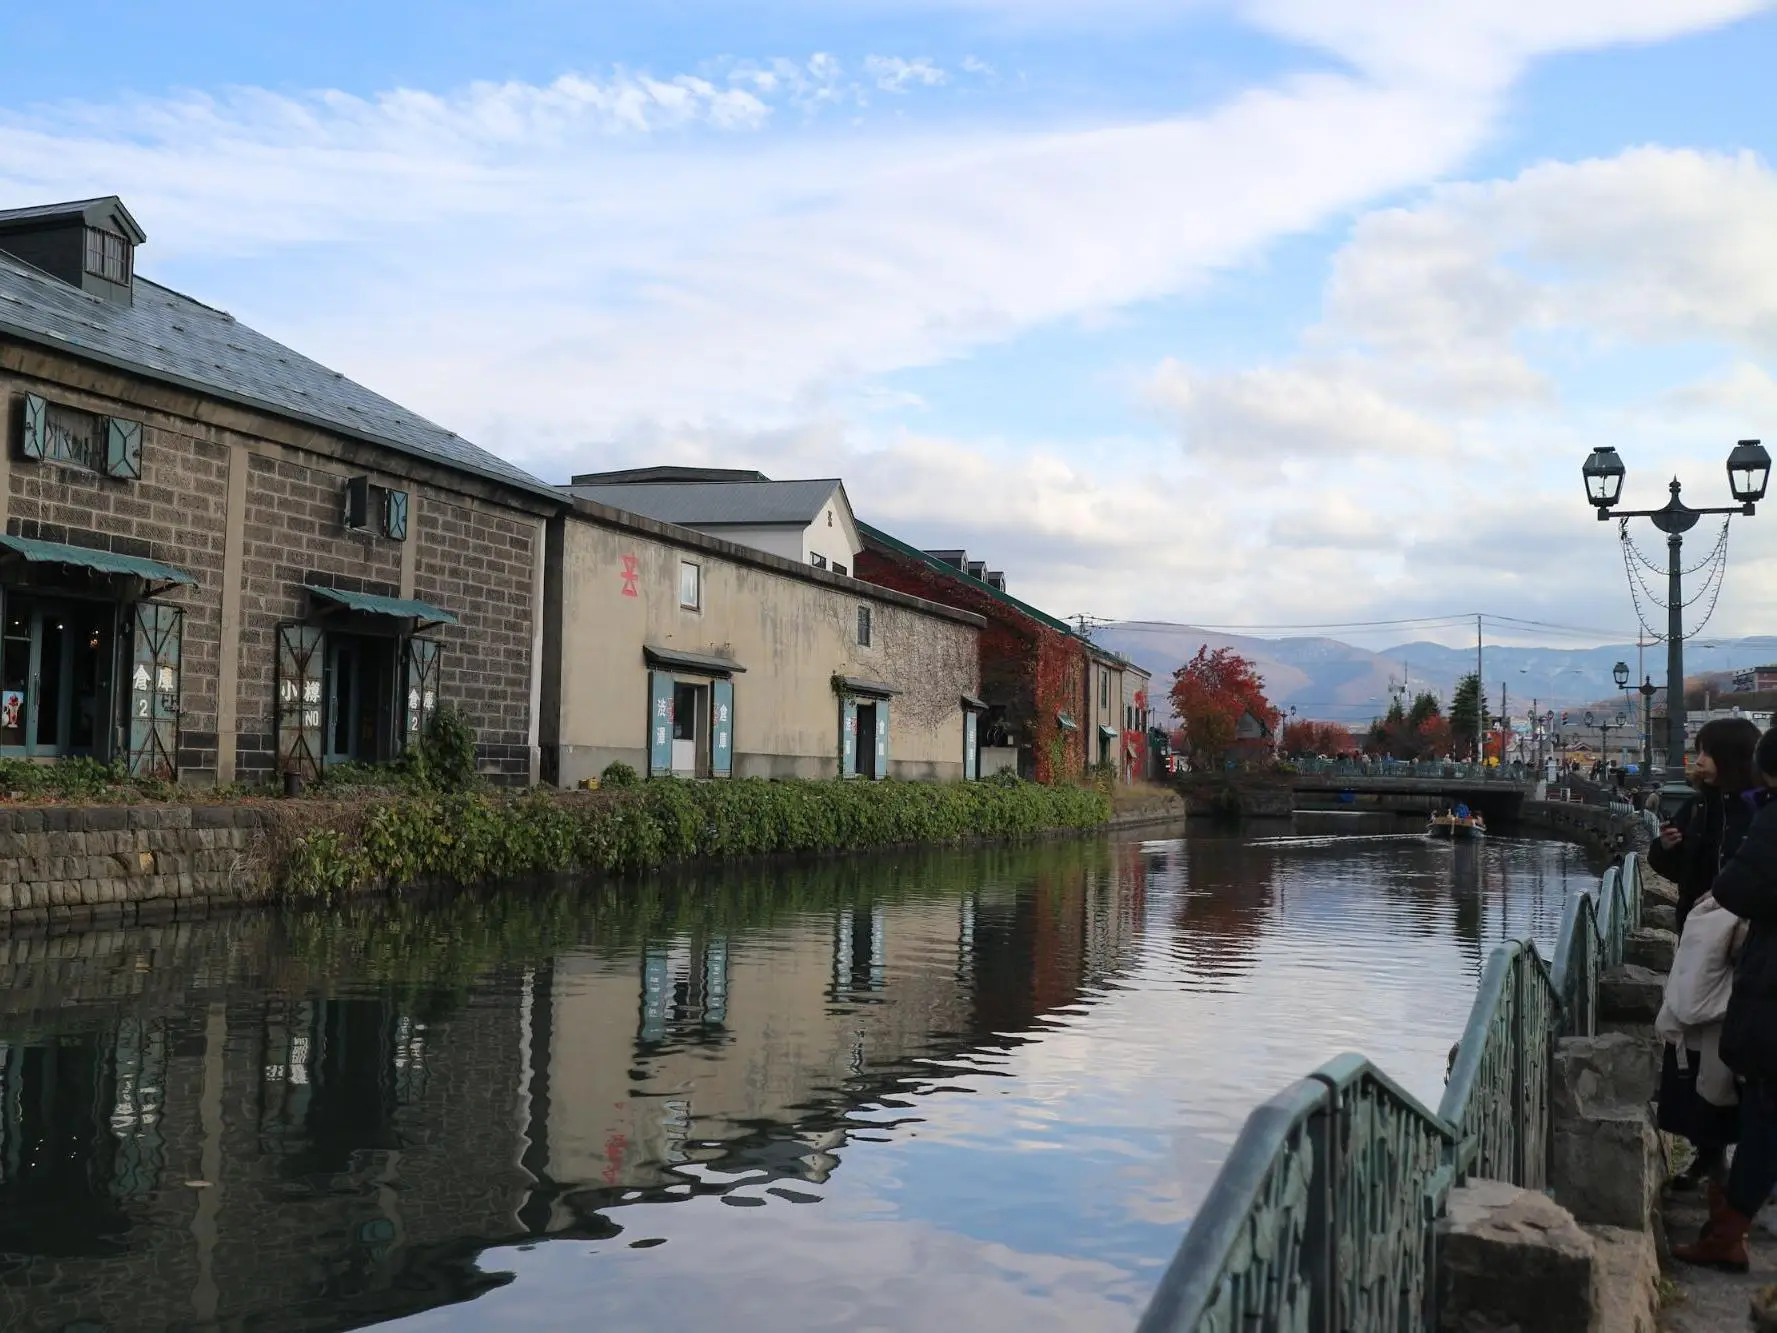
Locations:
{"points": [[294, 536], [481, 563], [71, 866], [470, 548]]}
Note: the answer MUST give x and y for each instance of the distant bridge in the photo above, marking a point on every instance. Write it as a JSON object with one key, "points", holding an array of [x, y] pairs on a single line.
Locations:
{"points": [[1403, 786]]}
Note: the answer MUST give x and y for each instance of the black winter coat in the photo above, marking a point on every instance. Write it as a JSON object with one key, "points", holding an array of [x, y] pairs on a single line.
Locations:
{"points": [[1713, 827], [1747, 887]]}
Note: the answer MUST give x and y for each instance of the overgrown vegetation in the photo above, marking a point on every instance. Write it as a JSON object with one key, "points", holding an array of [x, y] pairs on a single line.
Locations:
{"points": [[619, 775], [468, 837], [442, 761], [86, 781]]}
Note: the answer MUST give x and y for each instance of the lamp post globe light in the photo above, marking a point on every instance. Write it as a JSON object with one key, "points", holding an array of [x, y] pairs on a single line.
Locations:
{"points": [[1749, 473], [1620, 674]]}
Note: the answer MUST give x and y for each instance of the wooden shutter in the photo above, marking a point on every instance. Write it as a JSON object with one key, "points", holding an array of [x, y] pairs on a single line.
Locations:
{"points": [[971, 745], [722, 728], [395, 515], [421, 689], [848, 737], [882, 739], [123, 449], [34, 428], [156, 632], [660, 723], [300, 659]]}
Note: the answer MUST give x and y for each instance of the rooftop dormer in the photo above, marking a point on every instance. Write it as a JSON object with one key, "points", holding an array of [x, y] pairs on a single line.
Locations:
{"points": [[89, 244]]}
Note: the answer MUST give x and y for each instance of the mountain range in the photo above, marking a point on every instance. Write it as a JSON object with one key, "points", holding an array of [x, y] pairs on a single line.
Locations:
{"points": [[1331, 681]]}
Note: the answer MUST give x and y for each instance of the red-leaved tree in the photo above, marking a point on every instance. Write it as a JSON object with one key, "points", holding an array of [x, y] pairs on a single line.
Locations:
{"points": [[1210, 694], [1314, 738]]}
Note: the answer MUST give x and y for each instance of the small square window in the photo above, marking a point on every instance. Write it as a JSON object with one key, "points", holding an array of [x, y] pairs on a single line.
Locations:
{"points": [[840, 569], [863, 627], [818, 561], [690, 586]]}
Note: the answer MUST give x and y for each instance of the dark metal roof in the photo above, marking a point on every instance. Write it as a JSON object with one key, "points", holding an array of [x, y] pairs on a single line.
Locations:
{"points": [[103, 562], [172, 338], [694, 504], [626, 476], [936, 560], [84, 209], [703, 663], [973, 704], [858, 685], [402, 608]]}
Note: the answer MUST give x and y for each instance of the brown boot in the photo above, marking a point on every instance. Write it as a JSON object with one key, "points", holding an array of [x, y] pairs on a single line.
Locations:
{"points": [[1722, 1245], [1718, 1206]]}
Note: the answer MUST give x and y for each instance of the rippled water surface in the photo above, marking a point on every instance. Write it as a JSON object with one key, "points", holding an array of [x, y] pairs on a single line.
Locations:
{"points": [[976, 1090]]}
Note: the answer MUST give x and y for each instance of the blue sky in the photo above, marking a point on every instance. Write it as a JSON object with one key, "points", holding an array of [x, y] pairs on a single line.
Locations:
{"points": [[1214, 310]]}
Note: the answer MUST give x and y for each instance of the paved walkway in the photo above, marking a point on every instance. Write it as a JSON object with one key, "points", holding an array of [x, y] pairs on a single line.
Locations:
{"points": [[1710, 1301]]}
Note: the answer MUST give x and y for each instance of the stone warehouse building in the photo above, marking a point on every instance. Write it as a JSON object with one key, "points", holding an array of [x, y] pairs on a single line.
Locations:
{"points": [[1053, 699], [678, 652], [222, 560]]}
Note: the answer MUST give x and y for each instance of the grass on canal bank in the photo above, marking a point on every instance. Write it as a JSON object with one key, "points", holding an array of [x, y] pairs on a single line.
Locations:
{"points": [[332, 849]]}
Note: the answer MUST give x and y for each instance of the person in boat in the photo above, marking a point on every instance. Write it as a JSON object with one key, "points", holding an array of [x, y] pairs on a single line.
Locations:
{"points": [[1690, 851], [1461, 810], [1747, 887]]}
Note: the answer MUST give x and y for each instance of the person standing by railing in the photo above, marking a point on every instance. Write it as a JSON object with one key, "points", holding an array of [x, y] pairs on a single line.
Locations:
{"points": [[1690, 851], [1747, 887]]}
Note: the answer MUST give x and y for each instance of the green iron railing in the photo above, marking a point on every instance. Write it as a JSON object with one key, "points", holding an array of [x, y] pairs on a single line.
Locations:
{"points": [[1323, 1217]]}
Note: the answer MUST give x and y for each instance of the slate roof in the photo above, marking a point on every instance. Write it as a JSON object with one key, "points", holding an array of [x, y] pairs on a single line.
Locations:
{"points": [[169, 337], [742, 503]]}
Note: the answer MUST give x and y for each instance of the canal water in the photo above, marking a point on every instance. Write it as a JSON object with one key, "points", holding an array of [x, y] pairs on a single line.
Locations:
{"points": [[977, 1089]]}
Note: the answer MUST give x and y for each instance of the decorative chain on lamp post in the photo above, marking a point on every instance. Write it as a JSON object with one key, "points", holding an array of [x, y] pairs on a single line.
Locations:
{"points": [[1749, 472]]}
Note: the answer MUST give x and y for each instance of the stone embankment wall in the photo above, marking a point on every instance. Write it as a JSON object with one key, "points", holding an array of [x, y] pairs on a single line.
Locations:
{"points": [[1597, 825], [66, 866]]}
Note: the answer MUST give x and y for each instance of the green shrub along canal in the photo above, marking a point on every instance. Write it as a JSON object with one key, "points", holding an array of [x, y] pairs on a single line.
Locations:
{"points": [[976, 1087]]}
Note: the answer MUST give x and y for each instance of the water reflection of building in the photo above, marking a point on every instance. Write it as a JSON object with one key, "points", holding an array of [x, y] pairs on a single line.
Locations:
{"points": [[240, 1156]]}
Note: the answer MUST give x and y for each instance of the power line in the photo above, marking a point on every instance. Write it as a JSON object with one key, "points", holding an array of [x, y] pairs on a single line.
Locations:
{"points": [[1517, 623]]}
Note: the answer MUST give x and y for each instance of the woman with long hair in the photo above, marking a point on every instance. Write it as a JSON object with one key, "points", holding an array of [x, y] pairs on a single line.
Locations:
{"points": [[1690, 852]]}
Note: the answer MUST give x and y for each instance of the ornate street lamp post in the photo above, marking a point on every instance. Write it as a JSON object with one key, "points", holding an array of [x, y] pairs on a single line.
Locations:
{"points": [[1605, 727], [1749, 472], [1647, 689]]}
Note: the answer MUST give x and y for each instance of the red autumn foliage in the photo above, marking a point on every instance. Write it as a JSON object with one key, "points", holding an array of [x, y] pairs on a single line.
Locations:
{"points": [[1316, 738], [1211, 693]]}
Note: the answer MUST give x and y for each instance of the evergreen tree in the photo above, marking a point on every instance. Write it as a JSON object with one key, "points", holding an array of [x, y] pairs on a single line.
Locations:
{"points": [[1465, 704]]}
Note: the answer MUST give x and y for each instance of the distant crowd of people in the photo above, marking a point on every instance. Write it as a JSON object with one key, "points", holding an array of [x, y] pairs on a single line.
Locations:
{"points": [[1718, 1084]]}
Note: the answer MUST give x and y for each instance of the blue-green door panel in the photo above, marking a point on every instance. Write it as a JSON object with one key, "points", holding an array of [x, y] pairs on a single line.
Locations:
{"points": [[971, 749], [848, 737], [882, 739], [156, 634], [660, 723], [722, 728]]}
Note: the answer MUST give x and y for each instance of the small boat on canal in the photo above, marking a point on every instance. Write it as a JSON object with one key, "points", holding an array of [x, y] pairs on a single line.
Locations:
{"points": [[1459, 822]]}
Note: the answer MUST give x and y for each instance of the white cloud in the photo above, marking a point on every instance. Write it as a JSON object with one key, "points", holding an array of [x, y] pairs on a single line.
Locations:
{"points": [[1267, 413], [894, 74], [643, 268]]}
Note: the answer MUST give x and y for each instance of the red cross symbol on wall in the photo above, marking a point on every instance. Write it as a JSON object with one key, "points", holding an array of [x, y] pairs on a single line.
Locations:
{"points": [[629, 577]]}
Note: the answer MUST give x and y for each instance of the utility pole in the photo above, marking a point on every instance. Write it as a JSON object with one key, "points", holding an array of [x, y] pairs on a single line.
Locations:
{"points": [[1480, 700], [1505, 723]]}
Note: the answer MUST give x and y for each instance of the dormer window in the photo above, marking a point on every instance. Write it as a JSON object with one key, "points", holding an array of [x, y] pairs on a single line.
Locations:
{"points": [[107, 255]]}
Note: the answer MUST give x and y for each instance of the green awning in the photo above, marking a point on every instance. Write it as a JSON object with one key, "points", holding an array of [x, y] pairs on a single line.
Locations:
{"points": [[402, 608], [973, 704], [1109, 733], [874, 689], [695, 664], [100, 562], [1066, 722]]}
